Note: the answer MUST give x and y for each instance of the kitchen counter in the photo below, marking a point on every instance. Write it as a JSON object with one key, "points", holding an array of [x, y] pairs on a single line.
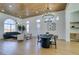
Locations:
{"points": [[74, 35]]}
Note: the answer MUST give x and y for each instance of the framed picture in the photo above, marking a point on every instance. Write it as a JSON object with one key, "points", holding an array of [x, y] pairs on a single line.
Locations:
{"points": [[51, 26]]}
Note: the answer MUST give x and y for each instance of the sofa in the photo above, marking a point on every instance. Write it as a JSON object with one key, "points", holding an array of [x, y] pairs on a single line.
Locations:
{"points": [[8, 35]]}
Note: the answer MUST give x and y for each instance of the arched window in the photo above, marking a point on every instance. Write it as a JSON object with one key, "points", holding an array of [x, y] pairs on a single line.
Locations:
{"points": [[9, 25]]}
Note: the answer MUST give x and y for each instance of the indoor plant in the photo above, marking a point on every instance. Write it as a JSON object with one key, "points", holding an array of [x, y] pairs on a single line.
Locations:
{"points": [[21, 28]]}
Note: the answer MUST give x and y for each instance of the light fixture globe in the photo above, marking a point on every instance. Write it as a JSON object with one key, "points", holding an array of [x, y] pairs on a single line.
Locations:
{"points": [[48, 17]]}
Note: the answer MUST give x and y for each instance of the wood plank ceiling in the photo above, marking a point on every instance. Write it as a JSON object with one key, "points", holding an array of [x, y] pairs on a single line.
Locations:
{"points": [[24, 10]]}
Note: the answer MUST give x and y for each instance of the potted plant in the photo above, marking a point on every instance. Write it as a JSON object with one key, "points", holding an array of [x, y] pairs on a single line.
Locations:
{"points": [[21, 28]]}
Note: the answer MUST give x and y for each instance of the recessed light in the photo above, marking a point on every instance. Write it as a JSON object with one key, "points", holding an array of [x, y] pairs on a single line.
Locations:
{"points": [[10, 6]]}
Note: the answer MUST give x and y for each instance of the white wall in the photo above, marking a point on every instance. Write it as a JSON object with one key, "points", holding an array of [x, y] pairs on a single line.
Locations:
{"points": [[70, 8], [74, 17], [3, 17], [60, 25]]}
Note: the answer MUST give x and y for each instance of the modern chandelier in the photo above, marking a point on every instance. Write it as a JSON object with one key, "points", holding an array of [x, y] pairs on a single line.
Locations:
{"points": [[49, 16]]}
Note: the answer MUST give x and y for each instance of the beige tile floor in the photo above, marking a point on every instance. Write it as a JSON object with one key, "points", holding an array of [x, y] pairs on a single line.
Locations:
{"points": [[30, 47]]}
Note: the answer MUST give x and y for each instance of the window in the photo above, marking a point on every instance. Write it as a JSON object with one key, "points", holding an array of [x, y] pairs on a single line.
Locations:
{"points": [[38, 26], [9, 25], [27, 26]]}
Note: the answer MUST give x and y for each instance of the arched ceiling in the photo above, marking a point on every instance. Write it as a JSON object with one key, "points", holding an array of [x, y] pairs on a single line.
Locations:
{"points": [[24, 10]]}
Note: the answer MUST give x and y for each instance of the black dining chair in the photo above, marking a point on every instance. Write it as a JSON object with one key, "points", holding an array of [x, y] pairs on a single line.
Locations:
{"points": [[53, 41], [38, 39]]}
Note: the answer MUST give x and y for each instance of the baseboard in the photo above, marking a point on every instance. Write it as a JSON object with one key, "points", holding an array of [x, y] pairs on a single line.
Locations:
{"points": [[61, 39]]}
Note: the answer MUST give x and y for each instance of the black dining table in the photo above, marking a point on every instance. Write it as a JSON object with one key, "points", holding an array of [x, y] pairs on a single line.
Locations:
{"points": [[45, 41]]}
